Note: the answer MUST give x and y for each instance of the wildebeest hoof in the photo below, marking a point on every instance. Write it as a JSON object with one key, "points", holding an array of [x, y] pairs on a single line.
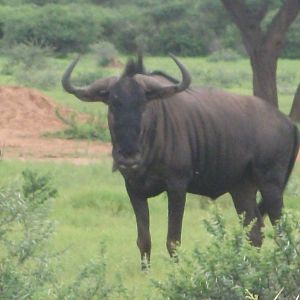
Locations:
{"points": [[145, 267]]}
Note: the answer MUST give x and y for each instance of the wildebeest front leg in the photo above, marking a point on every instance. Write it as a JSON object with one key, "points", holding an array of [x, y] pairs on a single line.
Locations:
{"points": [[176, 203], [141, 210]]}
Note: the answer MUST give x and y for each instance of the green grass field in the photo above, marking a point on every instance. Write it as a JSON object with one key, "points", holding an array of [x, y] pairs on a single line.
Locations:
{"points": [[92, 205]]}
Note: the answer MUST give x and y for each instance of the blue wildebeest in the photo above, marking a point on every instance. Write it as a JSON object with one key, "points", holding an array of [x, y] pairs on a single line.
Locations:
{"points": [[167, 136]]}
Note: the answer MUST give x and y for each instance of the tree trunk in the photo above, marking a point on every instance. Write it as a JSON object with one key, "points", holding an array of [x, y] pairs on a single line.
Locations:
{"points": [[264, 68], [295, 111], [263, 46]]}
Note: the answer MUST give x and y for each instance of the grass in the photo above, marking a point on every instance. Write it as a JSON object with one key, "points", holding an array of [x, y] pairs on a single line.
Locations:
{"points": [[93, 207]]}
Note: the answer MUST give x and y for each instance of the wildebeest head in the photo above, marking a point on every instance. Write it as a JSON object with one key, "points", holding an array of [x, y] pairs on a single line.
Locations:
{"points": [[126, 98]]}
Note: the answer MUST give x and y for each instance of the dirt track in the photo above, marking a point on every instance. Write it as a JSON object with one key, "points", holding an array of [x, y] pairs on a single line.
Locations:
{"points": [[25, 115]]}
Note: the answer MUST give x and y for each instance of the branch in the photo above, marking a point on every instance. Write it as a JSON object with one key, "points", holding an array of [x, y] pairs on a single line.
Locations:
{"points": [[247, 20], [280, 24], [295, 110]]}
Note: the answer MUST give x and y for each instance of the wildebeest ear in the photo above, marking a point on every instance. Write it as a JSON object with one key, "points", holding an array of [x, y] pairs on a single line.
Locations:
{"points": [[156, 90], [149, 84], [99, 90]]}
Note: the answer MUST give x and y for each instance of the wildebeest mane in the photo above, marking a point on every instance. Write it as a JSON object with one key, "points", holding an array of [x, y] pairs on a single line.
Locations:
{"points": [[165, 75], [136, 66]]}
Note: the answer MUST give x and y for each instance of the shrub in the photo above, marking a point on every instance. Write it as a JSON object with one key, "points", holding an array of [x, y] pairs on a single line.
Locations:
{"points": [[92, 283], [94, 128], [292, 43], [26, 267], [87, 78], [29, 64], [24, 230], [221, 77], [26, 56], [64, 28], [105, 53], [230, 268], [224, 55], [34, 77]]}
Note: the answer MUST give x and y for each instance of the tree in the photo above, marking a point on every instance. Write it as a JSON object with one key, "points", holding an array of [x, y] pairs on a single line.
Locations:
{"points": [[295, 110], [263, 45]]}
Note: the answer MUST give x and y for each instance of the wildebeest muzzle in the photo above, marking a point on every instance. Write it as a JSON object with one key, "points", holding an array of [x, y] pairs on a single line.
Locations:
{"points": [[127, 162]]}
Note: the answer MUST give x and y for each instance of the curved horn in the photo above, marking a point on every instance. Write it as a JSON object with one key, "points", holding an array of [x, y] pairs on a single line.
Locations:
{"points": [[79, 92], [186, 77], [97, 91], [155, 89]]}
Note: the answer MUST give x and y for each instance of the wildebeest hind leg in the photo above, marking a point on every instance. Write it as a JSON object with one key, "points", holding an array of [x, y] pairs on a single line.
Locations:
{"points": [[244, 199], [271, 186], [272, 201], [176, 202]]}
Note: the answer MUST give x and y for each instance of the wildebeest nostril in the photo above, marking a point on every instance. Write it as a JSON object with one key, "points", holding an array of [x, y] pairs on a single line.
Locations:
{"points": [[129, 162]]}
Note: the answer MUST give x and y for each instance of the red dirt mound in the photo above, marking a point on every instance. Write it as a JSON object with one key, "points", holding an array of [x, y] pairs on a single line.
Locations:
{"points": [[25, 115]]}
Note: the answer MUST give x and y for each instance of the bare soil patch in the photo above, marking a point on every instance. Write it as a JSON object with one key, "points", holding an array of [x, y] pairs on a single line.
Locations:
{"points": [[25, 116]]}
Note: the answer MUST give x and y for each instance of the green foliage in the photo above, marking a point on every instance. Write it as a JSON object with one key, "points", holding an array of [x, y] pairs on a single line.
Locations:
{"points": [[92, 283], [87, 211], [105, 53], [230, 268], [292, 46], [224, 55], [87, 77], [41, 2], [24, 230], [37, 188], [26, 267], [25, 56], [187, 28], [222, 78], [28, 63], [169, 26], [94, 128], [39, 78], [64, 28]]}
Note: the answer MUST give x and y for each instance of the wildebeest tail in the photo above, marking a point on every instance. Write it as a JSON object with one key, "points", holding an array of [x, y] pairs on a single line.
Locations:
{"points": [[294, 154]]}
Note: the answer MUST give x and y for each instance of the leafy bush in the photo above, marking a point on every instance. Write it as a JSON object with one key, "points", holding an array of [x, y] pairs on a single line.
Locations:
{"points": [[292, 42], [24, 230], [230, 268], [26, 268], [64, 28], [220, 77], [39, 78], [196, 28], [25, 55], [105, 53], [93, 128], [29, 64], [92, 283], [224, 55], [87, 78]]}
